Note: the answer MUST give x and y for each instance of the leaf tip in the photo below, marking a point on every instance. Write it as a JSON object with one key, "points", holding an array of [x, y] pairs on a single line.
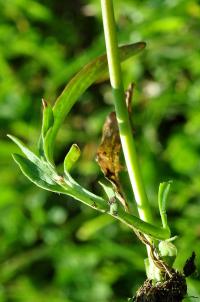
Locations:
{"points": [[44, 103], [143, 45], [13, 138], [10, 136], [71, 157]]}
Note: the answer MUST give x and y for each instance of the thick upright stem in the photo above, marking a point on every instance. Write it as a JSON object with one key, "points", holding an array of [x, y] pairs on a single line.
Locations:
{"points": [[125, 130]]}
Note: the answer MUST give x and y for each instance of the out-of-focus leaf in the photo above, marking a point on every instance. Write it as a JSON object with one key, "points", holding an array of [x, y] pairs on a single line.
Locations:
{"points": [[182, 154], [37, 11], [167, 24], [89, 228]]}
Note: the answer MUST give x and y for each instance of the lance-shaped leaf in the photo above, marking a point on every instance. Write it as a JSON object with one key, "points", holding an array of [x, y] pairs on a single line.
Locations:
{"points": [[37, 170], [163, 193], [39, 174], [47, 123], [47, 119], [29, 154], [79, 83]]}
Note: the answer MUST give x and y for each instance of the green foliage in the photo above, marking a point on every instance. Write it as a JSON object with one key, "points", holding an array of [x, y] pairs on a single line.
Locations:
{"points": [[42, 172], [71, 158], [45, 253], [163, 193]]}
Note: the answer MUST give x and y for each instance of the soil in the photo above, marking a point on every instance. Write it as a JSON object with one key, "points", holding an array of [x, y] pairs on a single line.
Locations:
{"points": [[173, 289]]}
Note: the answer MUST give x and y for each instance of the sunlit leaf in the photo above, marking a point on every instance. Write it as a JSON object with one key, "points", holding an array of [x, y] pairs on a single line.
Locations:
{"points": [[38, 174], [79, 83], [108, 190], [48, 119], [29, 154], [71, 158], [163, 193]]}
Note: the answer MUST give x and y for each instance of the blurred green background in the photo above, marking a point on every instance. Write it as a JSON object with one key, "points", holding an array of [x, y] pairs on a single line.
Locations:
{"points": [[53, 248]]}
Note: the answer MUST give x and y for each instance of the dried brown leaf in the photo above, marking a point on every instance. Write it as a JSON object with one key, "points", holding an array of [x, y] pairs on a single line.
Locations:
{"points": [[108, 155], [109, 149]]}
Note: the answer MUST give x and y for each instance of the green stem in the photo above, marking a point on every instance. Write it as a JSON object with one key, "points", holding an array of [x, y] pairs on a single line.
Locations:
{"points": [[96, 202], [125, 130]]}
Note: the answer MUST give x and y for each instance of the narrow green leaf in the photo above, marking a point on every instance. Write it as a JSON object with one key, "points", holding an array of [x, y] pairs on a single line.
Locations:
{"points": [[79, 83], [43, 171], [47, 123], [163, 193], [47, 147], [39, 175], [108, 190], [71, 158], [48, 118], [142, 226], [29, 154]]}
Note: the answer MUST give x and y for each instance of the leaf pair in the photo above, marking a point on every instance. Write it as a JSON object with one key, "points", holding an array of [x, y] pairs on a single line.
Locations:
{"points": [[39, 171]]}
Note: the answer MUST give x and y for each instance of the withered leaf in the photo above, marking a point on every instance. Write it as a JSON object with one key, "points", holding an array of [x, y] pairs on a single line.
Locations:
{"points": [[109, 149], [108, 154]]}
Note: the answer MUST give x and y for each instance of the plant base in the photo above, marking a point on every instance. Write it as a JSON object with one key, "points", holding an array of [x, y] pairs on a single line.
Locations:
{"points": [[173, 289]]}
